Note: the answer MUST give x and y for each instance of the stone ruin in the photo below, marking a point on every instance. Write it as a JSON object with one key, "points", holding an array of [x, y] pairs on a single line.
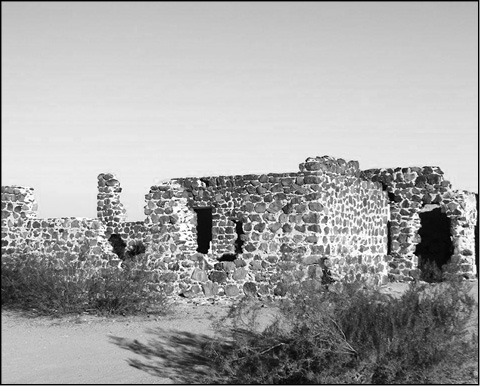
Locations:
{"points": [[255, 234]]}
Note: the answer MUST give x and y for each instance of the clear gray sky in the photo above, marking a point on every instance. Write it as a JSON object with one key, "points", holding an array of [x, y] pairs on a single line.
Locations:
{"points": [[155, 90]]}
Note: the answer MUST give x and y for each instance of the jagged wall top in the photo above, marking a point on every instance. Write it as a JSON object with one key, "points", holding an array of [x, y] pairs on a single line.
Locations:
{"points": [[18, 205], [330, 164]]}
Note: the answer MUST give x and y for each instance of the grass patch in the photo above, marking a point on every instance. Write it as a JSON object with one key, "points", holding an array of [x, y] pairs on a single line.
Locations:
{"points": [[45, 287]]}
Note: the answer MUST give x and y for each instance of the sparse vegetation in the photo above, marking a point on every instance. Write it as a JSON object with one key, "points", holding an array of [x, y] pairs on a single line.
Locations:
{"points": [[49, 287], [137, 248], [336, 333], [352, 335]]}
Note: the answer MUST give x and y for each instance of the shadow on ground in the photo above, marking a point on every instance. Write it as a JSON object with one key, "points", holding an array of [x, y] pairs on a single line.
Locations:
{"points": [[172, 354]]}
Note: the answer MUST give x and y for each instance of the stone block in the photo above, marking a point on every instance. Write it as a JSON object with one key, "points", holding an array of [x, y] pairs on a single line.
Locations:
{"points": [[280, 289], [274, 227], [314, 228], [260, 207], [256, 265], [199, 275], [231, 290], [285, 248], [301, 208], [311, 217], [312, 179], [218, 276], [315, 206], [275, 206], [250, 289], [259, 227], [240, 263], [287, 209], [210, 289], [272, 259], [239, 274]]}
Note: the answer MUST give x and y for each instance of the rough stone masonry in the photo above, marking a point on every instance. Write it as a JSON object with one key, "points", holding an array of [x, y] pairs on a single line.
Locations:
{"points": [[255, 234]]}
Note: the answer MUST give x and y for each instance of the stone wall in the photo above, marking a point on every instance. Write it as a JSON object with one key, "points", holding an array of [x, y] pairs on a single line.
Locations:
{"points": [[109, 208], [18, 205], [413, 191], [289, 222], [254, 234]]}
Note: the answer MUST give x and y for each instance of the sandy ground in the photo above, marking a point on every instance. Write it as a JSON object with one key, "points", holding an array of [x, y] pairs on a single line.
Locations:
{"points": [[94, 350]]}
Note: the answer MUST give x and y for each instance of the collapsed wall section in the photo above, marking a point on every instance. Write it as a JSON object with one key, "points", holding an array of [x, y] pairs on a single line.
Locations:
{"points": [[72, 239]]}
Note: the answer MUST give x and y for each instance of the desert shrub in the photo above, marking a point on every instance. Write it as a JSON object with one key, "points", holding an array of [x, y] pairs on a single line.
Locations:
{"points": [[352, 335], [136, 249], [56, 288]]}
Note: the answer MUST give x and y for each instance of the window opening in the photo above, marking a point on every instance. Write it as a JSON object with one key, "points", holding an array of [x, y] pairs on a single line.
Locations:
{"points": [[239, 241], [204, 229]]}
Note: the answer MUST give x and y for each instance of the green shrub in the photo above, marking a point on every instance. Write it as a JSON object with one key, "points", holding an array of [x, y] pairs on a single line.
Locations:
{"points": [[353, 335], [56, 287]]}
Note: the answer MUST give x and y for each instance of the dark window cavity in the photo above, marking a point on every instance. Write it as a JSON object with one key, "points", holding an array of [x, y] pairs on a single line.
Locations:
{"points": [[204, 229], [389, 238], [239, 242]]}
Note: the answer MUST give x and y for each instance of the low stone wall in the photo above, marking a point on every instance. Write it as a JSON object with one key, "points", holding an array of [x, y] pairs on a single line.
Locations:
{"points": [[57, 237]]}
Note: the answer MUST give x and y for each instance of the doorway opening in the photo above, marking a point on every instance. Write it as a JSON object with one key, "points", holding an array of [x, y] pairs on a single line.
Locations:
{"points": [[204, 229], [435, 248]]}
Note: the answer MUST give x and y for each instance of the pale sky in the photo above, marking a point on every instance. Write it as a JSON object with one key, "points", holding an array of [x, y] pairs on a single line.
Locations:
{"points": [[156, 90]]}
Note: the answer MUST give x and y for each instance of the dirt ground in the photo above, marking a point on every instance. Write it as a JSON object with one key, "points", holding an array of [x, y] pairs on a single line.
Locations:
{"points": [[95, 350]]}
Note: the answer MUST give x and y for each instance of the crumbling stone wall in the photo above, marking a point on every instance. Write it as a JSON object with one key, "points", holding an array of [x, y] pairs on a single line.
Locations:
{"points": [[411, 191], [289, 221], [254, 234], [73, 240], [18, 205]]}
